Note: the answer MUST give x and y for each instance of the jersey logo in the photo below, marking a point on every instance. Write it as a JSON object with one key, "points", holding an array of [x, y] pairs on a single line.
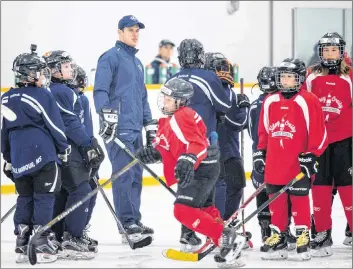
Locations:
{"points": [[328, 103], [162, 142], [282, 129]]}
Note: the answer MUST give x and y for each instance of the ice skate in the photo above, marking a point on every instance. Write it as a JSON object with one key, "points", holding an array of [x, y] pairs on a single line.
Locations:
{"points": [[134, 233], [303, 242], [276, 246], [348, 240], [146, 230], [291, 240], [92, 243], [321, 245], [265, 229], [189, 241], [231, 245], [45, 250], [22, 243], [75, 248]]}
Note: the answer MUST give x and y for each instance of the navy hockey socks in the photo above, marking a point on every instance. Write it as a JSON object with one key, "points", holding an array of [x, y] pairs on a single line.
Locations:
{"points": [[24, 211], [43, 208]]}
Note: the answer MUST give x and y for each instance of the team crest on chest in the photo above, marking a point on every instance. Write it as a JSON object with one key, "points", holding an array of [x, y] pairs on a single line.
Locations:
{"points": [[162, 142], [282, 129]]}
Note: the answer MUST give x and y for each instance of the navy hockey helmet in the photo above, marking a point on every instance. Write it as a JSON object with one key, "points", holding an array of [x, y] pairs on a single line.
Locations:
{"points": [[81, 78], [180, 90], [290, 75], [267, 79], [210, 58], [55, 59], [31, 70], [191, 54], [331, 39]]}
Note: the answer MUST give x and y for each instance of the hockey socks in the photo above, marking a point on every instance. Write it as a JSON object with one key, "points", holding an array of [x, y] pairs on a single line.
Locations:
{"points": [[301, 210], [199, 221], [345, 193], [322, 205], [23, 212]]}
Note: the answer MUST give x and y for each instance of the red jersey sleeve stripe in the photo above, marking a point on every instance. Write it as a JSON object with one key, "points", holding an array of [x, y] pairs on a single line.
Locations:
{"points": [[304, 106], [176, 129]]}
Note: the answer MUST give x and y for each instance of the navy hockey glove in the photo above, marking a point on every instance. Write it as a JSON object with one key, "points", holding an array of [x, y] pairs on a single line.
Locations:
{"points": [[184, 170], [308, 164], [148, 155], [259, 158], [109, 118], [64, 155], [93, 154], [8, 170], [243, 100], [151, 128]]}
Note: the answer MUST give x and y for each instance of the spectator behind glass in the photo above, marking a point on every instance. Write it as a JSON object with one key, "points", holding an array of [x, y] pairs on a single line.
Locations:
{"points": [[166, 48]]}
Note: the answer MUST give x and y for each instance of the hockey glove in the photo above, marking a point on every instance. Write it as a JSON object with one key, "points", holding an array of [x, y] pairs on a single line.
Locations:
{"points": [[109, 118], [64, 156], [93, 154], [148, 155], [221, 117], [151, 128], [224, 70], [243, 101], [8, 171], [308, 164], [259, 158], [184, 169]]}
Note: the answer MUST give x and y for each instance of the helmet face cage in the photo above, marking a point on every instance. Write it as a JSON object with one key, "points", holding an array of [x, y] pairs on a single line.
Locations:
{"points": [[327, 42], [168, 92], [56, 60], [282, 74]]}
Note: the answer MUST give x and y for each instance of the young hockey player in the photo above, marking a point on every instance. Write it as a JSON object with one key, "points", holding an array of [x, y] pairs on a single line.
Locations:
{"points": [[183, 147], [86, 154], [292, 135], [331, 82], [210, 97], [267, 84], [33, 147], [80, 85], [231, 182]]}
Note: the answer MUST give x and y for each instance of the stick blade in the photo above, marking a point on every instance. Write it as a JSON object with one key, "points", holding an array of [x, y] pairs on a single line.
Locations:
{"points": [[8, 113], [141, 243], [32, 256], [180, 256]]}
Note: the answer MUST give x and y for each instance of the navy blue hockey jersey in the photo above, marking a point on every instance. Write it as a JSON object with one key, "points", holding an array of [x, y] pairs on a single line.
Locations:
{"points": [[210, 96], [87, 116], [71, 112], [235, 121], [37, 135], [254, 115]]}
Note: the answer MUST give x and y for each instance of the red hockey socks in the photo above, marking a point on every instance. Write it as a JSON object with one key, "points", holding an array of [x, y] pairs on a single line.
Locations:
{"points": [[345, 193], [199, 221], [301, 210], [214, 212], [279, 211], [322, 206]]}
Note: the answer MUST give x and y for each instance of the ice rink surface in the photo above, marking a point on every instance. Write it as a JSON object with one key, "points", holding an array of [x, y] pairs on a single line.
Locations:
{"points": [[157, 212]]}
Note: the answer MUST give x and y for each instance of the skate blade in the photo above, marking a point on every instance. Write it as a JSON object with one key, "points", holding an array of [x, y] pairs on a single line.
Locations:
{"points": [[322, 252], [347, 241], [141, 242], [223, 263], [305, 256], [21, 258], [291, 246], [275, 255], [238, 244], [68, 254], [46, 258]]}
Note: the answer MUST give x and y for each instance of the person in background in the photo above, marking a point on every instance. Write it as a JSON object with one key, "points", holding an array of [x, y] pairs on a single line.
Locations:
{"points": [[166, 48]]}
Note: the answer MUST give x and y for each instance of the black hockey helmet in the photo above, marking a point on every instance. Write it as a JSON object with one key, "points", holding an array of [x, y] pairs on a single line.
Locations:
{"points": [[81, 78], [191, 53], [267, 79], [210, 58], [288, 67], [55, 59], [331, 39], [181, 90], [31, 70]]}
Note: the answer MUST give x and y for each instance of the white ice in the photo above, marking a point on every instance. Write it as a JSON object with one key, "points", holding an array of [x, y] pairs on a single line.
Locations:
{"points": [[157, 212]]}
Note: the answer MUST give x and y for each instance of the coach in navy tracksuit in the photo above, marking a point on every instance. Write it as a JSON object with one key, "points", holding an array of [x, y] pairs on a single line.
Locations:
{"points": [[120, 98]]}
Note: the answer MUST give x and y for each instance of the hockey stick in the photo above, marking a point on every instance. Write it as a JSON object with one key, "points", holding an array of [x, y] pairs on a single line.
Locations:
{"points": [[242, 159], [233, 217], [8, 213], [132, 155], [194, 257], [32, 256], [8, 113], [132, 244]]}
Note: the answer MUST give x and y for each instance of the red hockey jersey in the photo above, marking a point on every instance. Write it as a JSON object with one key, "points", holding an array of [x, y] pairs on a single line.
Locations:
{"points": [[184, 132], [335, 95], [287, 128]]}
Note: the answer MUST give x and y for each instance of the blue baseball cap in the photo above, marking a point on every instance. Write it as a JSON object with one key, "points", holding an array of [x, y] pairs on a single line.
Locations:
{"points": [[128, 21]]}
